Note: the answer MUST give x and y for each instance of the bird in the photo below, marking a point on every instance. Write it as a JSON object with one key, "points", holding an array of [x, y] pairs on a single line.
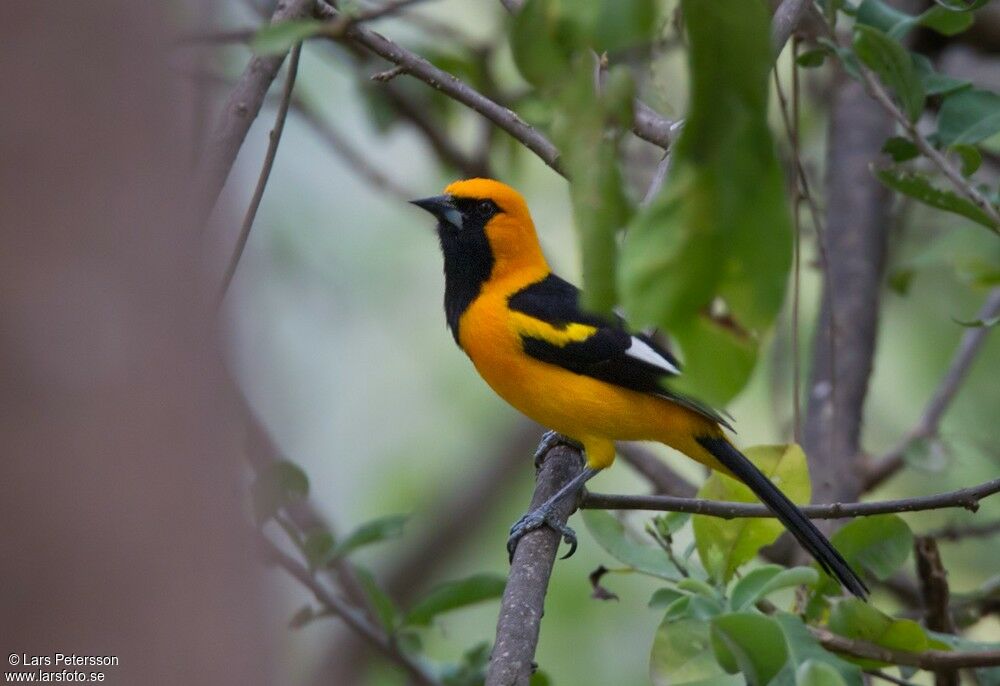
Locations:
{"points": [[583, 375]]}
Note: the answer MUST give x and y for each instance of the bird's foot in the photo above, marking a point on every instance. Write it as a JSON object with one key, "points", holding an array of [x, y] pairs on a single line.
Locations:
{"points": [[536, 519], [550, 439]]}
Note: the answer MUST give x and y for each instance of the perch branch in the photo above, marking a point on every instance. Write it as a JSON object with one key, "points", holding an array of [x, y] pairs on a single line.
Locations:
{"points": [[927, 427], [967, 498], [928, 659], [511, 662]]}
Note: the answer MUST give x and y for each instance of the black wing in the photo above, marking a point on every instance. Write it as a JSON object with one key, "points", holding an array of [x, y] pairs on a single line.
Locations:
{"points": [[608, 352]]}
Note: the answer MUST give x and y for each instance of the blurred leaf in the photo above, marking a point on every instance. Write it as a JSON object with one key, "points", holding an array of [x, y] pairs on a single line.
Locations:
{"points": [[662, 597], [610, 535], [856, 619], [277, 39], [278, 484], [892, 62], [919, 187], [900, 149], [471, 670], [670, 523], [970, 156], [750, 643], [961, 5], [384, 607], [682, 654], [318, 548], [452, 595], [926, 454], [812, 58], [968, 117], [540, 678], [973, 255], [720, 225], [761, 582], [803, 648], [935, 83], [979, 323], [371, 532], [897, 23], [813, 673], [725, 545], [543, 36], [718, 359], [625, 23], [878, 544]]}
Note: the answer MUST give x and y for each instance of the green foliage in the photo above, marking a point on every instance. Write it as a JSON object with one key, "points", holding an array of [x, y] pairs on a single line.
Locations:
{"points": [[278, 484], [278, 38], [452, 595], [719, 228], [370, 532], [610, 535], [896, 23], [803, 648], [919, 186], [725, 545], [813, 673], [878, 545], [892, 62], [854, 618], [749, 643], [682, 654], [763, 581], [385, 608], [968, 117]]}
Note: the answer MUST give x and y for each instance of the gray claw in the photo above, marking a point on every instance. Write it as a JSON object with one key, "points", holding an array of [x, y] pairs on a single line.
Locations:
{"points": [[550, 439], [536, 519]]}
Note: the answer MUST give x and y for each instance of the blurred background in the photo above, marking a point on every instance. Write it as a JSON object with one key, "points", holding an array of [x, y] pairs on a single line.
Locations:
{"points": [[334, 334]]}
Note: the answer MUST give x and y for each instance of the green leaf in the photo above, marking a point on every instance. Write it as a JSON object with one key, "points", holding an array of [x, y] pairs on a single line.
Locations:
{"points": [[682, 655], [610, 535], [718, 359], [318, 548], [892, 62], [900, 149], [856, 619], [670, 523], [725, 545], [812, 58], [933, 82], [471, 670], [878, 544], [663, 597], [761, 582], [919, 187], [452, 595], [278, 484], [988, 323], [813, 673], [750, 643], [803, 647], [970, 156], [719, 227], [543, 36], [277, 39], [384, 607], [968, 117], [974, 256], [625, 23], [371, 532], [897, 23]]}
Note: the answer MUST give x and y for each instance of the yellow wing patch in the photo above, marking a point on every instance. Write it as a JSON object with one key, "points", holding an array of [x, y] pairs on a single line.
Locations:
{"points": [[525, 325]]}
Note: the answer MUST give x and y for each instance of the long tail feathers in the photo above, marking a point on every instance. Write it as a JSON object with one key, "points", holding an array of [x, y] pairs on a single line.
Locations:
{"points": [[788, 513]]}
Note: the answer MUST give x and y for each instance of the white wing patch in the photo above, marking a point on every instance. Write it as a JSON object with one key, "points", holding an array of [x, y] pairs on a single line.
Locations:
{"points": [[642, 351]]}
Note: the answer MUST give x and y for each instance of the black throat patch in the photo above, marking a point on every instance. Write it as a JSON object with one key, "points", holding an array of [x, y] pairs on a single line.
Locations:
{"points": [[468, 259]]}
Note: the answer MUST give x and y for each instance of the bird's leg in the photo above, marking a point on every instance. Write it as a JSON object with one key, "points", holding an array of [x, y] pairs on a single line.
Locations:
{"points": [[545, 515], [550, 439]]}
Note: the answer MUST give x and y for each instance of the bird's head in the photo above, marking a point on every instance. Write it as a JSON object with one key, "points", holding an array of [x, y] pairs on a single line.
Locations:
{"points": [[486, 223]]}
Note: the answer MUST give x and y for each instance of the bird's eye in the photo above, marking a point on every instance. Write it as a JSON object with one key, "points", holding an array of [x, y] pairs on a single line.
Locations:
{"points": [[485, 206]]}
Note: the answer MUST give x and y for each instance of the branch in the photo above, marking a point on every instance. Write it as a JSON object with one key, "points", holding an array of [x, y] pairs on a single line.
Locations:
{"points": [[957, 532], [238, 114], [936, 597], [511, 662], [785, 20], [927, 427], [265, 171], [967, 498], [928, 659], [351, 616]]}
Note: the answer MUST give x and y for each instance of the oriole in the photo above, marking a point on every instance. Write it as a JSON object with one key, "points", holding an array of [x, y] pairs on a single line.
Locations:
{"points": [[581, 374]]}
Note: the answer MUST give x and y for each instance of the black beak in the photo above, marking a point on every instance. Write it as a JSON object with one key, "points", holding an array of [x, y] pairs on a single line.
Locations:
{"points": [[442, 207]]}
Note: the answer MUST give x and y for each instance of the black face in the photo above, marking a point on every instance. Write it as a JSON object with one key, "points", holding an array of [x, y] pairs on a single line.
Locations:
{"points": [[468, 259]]}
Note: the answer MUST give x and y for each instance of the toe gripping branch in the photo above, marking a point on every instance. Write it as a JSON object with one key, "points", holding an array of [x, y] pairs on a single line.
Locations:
{"points": [[548, 513]]}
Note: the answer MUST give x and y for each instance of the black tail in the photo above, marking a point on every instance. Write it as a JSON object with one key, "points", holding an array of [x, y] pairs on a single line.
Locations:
{"points": [[788, 513]]}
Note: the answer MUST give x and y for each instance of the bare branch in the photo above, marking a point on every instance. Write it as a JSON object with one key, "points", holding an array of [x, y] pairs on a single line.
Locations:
{"points": [[511, 663], [785, 20], [927, 426], [958, 532], [928, 659], [967, 498], [239, 112], [265, 171], [350, 615]]}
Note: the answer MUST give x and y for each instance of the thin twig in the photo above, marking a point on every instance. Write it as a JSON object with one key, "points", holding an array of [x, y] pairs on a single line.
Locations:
{"points": [[265, 171], [928, 659], [936, 598], [958, 532], [967, 498], [888, 677], [349, 614], [238, 114], [927, 426], [785, 20]]}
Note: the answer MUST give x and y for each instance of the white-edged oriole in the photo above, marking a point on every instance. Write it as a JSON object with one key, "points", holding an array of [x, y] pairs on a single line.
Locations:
{"points": [[581, 374]]}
